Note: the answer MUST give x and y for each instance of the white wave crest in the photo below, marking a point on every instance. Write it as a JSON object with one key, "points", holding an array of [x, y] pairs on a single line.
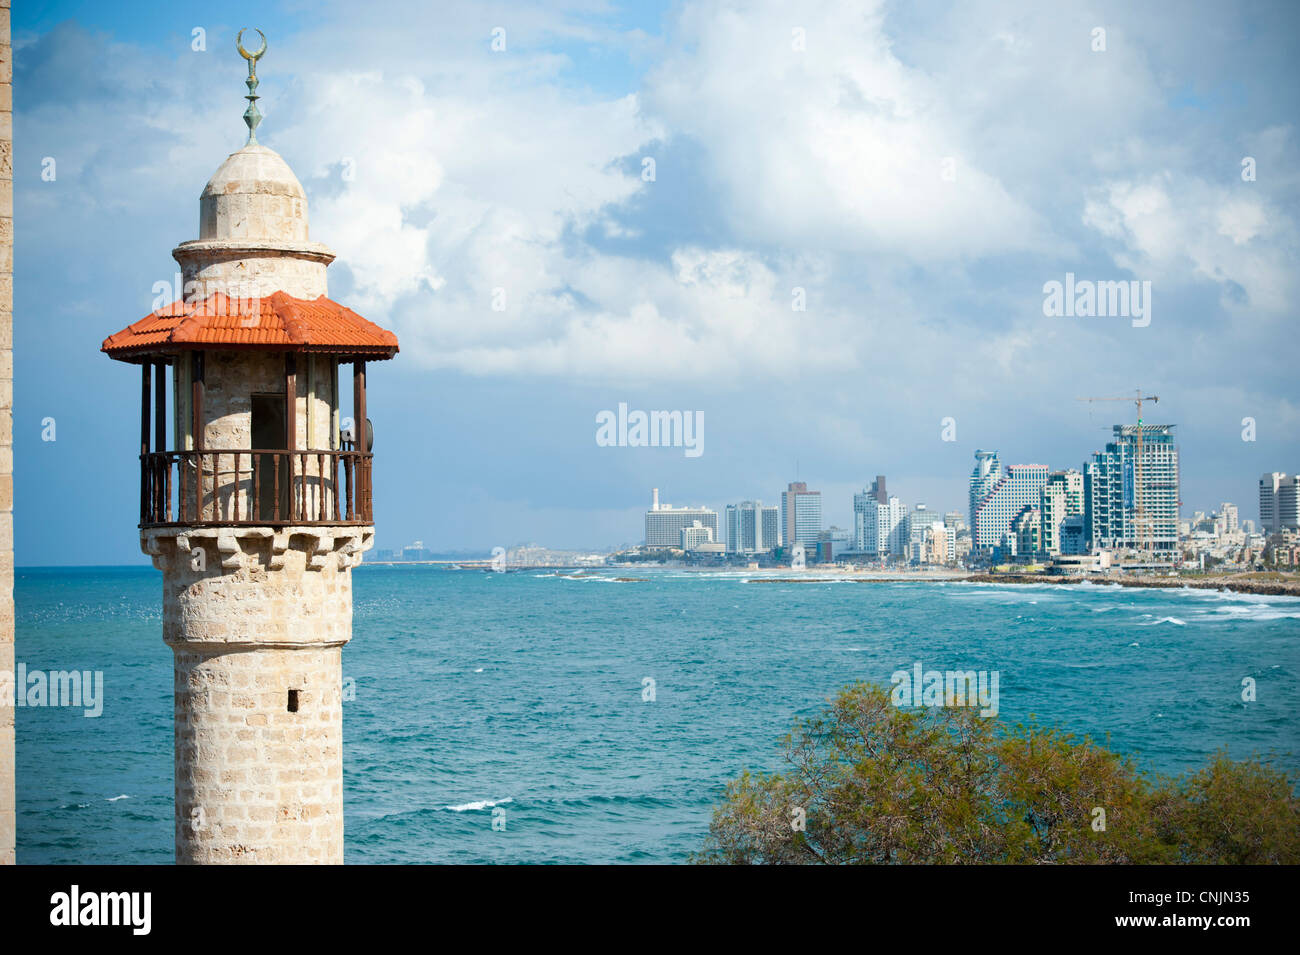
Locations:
{"points": [[477, 806]]}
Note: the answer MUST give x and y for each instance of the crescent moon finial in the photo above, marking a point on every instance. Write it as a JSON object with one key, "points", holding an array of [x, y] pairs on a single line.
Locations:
{"points": [[239, 45], [252, 116]]}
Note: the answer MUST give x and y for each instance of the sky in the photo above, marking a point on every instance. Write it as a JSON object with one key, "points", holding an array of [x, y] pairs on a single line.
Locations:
{"points": [[825, 229]]}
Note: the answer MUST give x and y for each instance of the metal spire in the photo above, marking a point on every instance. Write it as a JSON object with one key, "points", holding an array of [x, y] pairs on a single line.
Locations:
{"points": [[251, 115]]}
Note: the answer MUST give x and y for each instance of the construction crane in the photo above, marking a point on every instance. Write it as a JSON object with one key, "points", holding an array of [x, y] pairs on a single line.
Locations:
{"points": [[1141, 525]]}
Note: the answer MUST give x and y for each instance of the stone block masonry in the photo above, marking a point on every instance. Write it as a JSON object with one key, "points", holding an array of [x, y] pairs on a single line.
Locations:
{"points": [[7, 781], [256, 619], [259, 756]]}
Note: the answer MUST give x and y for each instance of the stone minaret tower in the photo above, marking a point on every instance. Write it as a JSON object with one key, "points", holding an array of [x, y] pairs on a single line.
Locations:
{"points": [[255, 503]]}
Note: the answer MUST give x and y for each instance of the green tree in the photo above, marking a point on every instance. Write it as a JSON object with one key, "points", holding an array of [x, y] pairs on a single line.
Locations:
{"points": [[869, 782], [1232, 813]]}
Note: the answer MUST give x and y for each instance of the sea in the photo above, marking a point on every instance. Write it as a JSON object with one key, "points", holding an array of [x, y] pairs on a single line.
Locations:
{"points": [[596, 716]]}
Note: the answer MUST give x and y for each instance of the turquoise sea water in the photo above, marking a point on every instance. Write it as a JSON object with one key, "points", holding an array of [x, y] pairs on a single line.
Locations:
{"points": [[525, 690]]}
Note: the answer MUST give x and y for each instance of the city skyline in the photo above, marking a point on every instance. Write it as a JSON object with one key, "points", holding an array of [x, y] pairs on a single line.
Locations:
{"points": [[1099, 500], [1043, 476], [1121, 498], [1063, 489]]}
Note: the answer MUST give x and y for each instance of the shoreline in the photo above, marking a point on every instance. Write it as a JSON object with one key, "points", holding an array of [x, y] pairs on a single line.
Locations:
{"points": [[1287, 588], [1286, 585], [1265, 588]]}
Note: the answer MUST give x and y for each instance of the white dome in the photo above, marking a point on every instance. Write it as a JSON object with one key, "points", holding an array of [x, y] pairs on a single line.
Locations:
{"points": [[254, 195], [253, 232]]}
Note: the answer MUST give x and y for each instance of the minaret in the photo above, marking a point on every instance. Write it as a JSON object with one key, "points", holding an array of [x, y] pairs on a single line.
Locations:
{"points": [[255, 503]]}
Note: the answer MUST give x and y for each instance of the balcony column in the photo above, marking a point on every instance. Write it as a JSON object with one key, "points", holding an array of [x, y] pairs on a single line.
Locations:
{"points": [[359, 430], [291, 427], [160, 407], [291, 401], [196, 426], [196, 397], [145, 368], [160, 437], [359, 404]]}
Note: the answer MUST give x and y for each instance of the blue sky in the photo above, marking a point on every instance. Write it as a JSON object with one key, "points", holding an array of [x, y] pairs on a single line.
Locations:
{"points": [[919, 170]]}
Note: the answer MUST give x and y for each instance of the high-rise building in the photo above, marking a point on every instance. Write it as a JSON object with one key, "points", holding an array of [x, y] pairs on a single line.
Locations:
{"points": [[879, 529], [1288, 503], [752, 528], [693, 536], [864, 510], [1117, 484], [801, 515], [986, 473], [879, 522], [1279, 503], [1018, 487], [1073, 532], [733, 522], [939, 545], [1025, 531], [1228, 513], [1061, 497], [771, 528], [664, 523], [920, 521], [1269, 485]]}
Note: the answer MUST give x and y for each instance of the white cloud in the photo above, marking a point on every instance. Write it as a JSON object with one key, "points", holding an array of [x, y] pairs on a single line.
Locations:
{"points": [[838, 145], [475, 174], [1179, 228], [821, 169]]}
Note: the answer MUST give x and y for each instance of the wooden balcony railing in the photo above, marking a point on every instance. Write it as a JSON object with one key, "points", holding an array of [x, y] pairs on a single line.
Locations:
{"points": [[242, 487]]}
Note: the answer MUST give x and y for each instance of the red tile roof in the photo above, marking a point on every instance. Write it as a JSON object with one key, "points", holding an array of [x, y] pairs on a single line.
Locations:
{"points": [[278, 322]]}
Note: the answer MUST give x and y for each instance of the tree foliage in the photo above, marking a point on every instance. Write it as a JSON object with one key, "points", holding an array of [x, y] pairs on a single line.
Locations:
{"points": [[869, 782]]}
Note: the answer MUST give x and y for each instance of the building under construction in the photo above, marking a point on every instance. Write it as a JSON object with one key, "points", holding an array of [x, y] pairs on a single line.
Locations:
{"points": [[1131, 492]]}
